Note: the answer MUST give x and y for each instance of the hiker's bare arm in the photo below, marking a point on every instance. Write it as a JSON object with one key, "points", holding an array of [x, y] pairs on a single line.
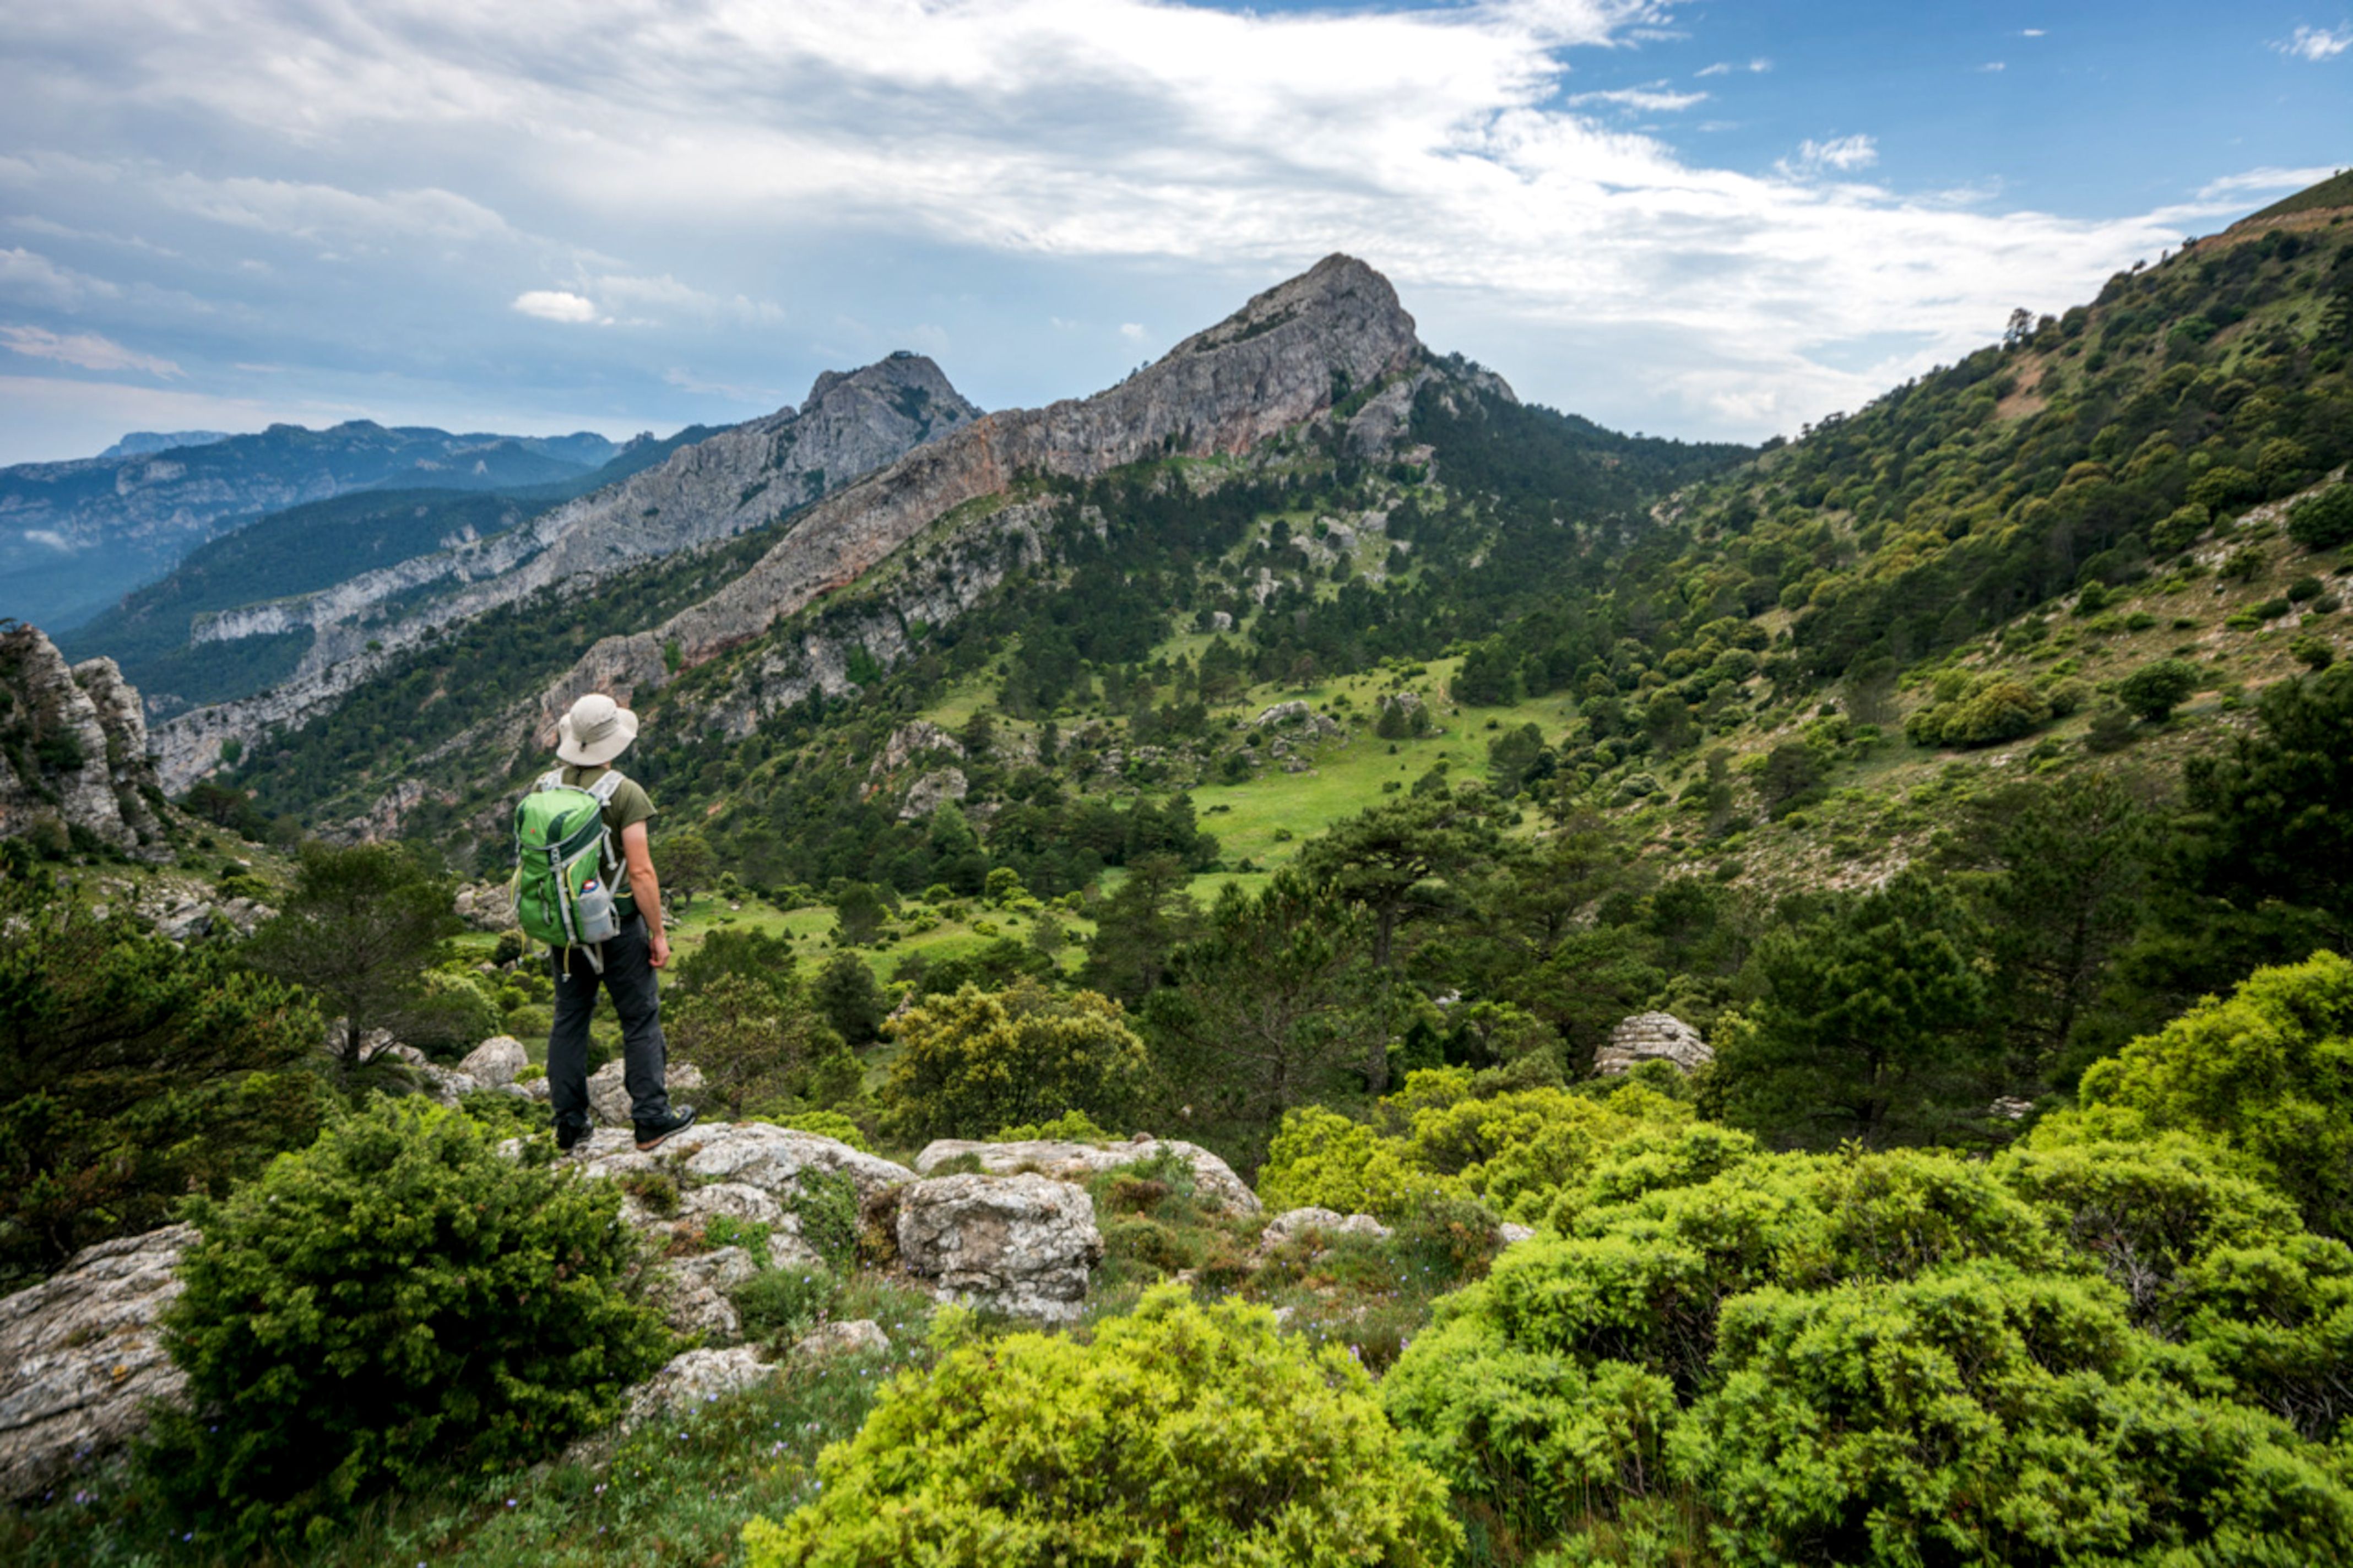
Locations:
{"points": [[646, 890]]}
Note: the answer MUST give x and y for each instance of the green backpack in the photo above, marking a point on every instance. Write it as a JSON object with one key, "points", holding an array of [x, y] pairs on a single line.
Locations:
{"points": [[561, 847]]}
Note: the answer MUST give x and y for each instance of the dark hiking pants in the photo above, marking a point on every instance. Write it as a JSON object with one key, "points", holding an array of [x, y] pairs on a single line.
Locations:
{"points": [[629, 978]]}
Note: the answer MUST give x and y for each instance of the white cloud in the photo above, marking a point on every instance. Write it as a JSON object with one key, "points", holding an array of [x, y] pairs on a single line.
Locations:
{"points": [[2316, 43], [1844, 154], [1991, 65], [87, 350], [2231, 187], [49, 537], [1132, 331], [649, 165], [557, 305], [2031, 33], [1650, 99], [29, 275]]}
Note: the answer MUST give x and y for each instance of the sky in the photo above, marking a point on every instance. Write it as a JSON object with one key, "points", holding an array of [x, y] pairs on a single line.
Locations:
{"points": [[1714, 221]]}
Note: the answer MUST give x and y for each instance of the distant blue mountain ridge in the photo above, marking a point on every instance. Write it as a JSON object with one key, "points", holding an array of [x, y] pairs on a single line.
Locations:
{"points": [[76, 536]]}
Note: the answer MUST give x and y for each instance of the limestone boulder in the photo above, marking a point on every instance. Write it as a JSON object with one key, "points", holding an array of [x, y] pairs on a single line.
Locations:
{"points": [[1022, 1245], [859, 1336], [495, 1061], [1293, 1224], [686, 1382], [1652, 1038], [80, 1359], [1213, 1180]]}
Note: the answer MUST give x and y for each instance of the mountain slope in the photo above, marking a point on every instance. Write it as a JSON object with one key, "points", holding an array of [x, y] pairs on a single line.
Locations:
{"points": [[75, 535], [1077, 538], [741, 479]]}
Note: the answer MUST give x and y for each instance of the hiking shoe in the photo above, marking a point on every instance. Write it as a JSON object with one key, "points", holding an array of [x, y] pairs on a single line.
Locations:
{"points": [[570, 1134], [650, 1134]]}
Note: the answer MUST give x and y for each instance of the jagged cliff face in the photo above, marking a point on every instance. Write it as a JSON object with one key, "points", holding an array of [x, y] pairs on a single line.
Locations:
{"points": [[1281, 360], [741, 479], [73, 750]]}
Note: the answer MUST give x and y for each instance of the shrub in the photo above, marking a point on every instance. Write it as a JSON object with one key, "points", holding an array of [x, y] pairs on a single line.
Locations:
{"points": [[2323, 521], [757, 1043], [1183, 1432], [978, 1061], [2267, 1071], [1070, 1127], [828, 1124], [827, 1207], [2315, 654], [1985, 1415], [1321, 1159], [131, 1072], [394, 1300], [1989, 710], [454, 1013], [2155, 689]]}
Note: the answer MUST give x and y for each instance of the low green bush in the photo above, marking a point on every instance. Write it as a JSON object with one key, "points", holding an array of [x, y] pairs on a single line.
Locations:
{"points": [[1182, 1434], [1985, 1415], [393, 1301]]}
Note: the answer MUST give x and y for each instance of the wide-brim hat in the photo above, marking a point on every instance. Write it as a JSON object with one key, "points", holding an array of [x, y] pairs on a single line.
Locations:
{"points": [[596, 731]]}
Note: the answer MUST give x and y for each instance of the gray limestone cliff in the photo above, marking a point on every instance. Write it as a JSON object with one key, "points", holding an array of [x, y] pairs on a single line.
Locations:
{"points": [[1284, 358], [741, 479], [73, 750]]}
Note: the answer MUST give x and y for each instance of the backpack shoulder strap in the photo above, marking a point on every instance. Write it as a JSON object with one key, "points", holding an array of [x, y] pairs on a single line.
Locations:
{"points": [[552, 779], [606, 787]]}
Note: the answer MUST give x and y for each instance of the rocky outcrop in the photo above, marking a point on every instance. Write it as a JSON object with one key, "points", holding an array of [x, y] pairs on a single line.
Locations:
{"points": [[80, 1359], [1214, 1181], [1652, 1038], [1020, 1245], [1271, 365], [931, 792], [741, 477], [73, 749], [912, 740]]}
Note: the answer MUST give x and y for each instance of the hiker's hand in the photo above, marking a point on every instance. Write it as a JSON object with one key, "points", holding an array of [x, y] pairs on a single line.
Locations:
{"points": [[657, 948]]}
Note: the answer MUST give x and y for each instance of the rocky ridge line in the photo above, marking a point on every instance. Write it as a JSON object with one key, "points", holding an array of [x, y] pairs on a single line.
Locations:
{"points": [[741, 479], [1271, 365]]}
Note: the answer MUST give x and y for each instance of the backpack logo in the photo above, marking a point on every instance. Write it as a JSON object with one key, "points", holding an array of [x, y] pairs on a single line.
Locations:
{"points": [[561, 847]]}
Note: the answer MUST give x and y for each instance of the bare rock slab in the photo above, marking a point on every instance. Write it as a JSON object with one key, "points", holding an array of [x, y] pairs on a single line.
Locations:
{"points": [[1213, 1179], [1021, 1244], [1652, 1038], [80, 1358]]}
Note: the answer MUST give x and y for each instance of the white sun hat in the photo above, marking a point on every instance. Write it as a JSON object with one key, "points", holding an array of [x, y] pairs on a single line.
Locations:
{"points": [[596, 731]]}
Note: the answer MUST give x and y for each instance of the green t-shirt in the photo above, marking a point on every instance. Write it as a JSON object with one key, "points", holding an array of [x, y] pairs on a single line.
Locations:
{"points": [[630, 804]]}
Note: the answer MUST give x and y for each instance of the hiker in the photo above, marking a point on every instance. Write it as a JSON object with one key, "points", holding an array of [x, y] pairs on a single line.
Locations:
{"points": [[628, 905]]}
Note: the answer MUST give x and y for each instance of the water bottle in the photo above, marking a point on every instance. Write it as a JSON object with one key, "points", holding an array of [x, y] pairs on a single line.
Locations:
{"points": [[598, 920]]}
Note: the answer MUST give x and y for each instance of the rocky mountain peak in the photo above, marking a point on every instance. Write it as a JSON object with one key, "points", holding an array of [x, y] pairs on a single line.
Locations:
{"points": [[1338, 291], [1284, 358]]}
